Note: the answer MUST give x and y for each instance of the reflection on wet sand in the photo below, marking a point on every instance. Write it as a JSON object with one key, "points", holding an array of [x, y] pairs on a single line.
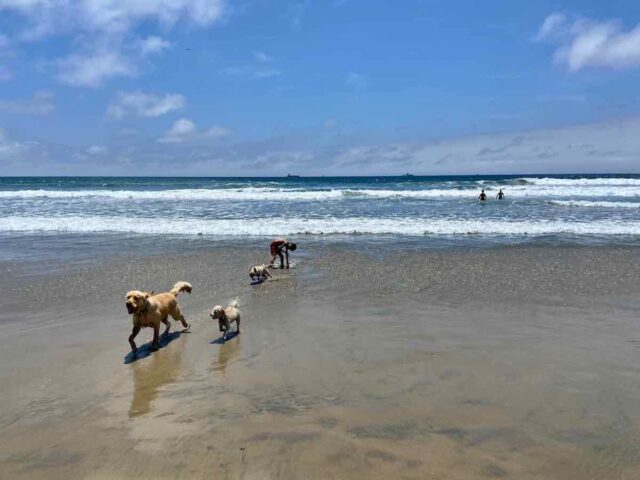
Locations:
{"points": [[227, 352], [513, 363], [150, 374]]}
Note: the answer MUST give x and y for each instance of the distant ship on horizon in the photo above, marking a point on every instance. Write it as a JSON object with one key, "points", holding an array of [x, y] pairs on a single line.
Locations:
{"points": [[292, 176]]}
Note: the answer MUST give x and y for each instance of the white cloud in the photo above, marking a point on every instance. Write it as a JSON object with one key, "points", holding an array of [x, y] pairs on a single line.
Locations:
{"points": [[551, 26], [105, 29], [96, 150], [218, 131], [49, 17], [153, 45], [272, 72], [128, 132], [357, 80], [252, 72], [9, 148], [93, 69], [144, 104], [41, 103], [584, 43], [95, 66], [297, 13], [610, 146], [184, 130], [261, 68], [262, 57], [179, 131]]}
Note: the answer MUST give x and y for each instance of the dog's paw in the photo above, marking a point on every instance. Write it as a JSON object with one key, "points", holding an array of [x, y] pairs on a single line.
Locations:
{"points": [[154, 348], [186, 329]]}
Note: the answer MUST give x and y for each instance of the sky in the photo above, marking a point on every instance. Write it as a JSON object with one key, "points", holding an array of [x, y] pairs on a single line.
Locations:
{"points": [[333, 87]]}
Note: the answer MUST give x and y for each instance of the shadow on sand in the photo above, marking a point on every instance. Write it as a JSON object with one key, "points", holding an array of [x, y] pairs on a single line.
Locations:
{"points": [[221, 341], [145, 350]]}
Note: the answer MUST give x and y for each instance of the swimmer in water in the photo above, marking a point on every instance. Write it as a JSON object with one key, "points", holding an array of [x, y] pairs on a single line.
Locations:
{"points": [[500, 195], [278, 248], [483, 196]]}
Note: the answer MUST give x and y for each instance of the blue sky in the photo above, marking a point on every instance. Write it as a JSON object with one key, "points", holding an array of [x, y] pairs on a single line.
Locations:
{"points": [[217, 87]]}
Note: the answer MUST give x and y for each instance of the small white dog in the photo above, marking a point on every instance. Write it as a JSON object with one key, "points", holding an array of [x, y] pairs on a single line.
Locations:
{"points": [[259, 272], [226, 316]]}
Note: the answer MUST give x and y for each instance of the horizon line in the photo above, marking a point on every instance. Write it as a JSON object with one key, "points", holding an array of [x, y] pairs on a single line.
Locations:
{"points": [[330, 176]]}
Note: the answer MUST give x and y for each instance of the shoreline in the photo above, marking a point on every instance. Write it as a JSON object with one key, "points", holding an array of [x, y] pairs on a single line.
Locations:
{"points": [[509, 362], [32, 255]]}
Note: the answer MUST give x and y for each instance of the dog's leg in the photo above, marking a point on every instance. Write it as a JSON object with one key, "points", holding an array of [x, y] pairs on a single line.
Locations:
{"points": [[287, 255], [238, 325], [177, 315], [168, 325], [155, 344], [225, 326], [134, 332]]}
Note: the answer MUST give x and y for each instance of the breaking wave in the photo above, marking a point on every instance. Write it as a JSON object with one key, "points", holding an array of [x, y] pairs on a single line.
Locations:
{"points": [[312, 226], [595, 204], [282, 194]]}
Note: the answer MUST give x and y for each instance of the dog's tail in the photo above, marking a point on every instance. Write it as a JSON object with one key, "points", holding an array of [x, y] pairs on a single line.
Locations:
{"points": [[181, 287], [234, 303]]}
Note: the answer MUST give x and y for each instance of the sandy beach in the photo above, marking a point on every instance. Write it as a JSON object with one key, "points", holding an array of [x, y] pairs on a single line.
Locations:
{"points": [[510, 362]]}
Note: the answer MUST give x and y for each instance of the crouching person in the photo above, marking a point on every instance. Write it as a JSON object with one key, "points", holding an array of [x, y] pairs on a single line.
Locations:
{"points": [[281, 248]]}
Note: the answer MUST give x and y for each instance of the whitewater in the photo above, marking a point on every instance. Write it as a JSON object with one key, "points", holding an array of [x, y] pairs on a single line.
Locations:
{"points": [[557, 207]]}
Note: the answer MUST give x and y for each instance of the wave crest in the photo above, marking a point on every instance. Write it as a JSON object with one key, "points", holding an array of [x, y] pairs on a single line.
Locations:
{"points": [[269, 227]]}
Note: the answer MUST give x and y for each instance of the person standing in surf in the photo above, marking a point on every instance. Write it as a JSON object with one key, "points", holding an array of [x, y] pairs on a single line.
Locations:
{"points": [[500, 195], [483, 196], [280, 248]]}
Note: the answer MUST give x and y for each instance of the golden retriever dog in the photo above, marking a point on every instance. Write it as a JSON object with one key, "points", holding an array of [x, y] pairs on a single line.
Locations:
{"points": [[226, 316], [259, 272], [149, 310]]}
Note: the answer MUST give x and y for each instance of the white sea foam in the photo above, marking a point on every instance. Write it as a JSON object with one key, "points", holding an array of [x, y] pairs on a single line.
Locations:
{"points": [[616, 182], [590, 204], [281, 194], [298, 226], [249, 193]]}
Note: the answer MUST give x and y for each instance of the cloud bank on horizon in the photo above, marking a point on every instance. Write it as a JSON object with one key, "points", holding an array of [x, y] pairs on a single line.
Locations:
{"points": [[216, 87]]}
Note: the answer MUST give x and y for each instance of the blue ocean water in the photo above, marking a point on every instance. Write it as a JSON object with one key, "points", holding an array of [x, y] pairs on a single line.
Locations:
{"points": [[436, 210]]}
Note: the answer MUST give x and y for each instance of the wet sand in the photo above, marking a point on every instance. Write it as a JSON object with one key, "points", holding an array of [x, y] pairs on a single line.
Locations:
{"points": [[518, 362]]}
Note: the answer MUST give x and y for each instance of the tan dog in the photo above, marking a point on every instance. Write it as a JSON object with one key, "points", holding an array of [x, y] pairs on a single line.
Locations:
{"points": [[226, 316], [259, 272], [149, 310]]}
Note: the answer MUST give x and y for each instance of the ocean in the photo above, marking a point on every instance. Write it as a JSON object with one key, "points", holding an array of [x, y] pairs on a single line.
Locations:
{"points": [[45, 216]]}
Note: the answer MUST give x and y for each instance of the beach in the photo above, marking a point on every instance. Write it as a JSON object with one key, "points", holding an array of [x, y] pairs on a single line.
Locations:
{"points": [[460, 363], [319, 240]]}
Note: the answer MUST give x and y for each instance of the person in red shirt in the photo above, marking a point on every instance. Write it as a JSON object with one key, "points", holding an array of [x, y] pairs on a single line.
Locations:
{"points": [[280, 248]]}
